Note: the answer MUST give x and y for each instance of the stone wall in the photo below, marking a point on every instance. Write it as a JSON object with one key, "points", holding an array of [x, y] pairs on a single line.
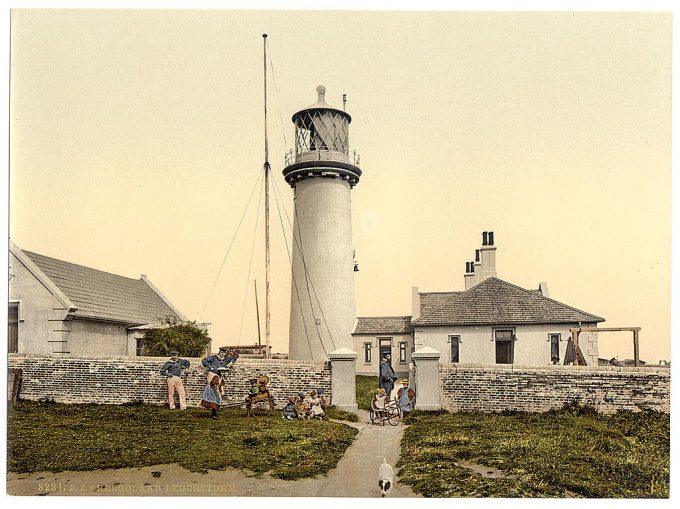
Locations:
{"points": [[114, 380], [471, 388]]}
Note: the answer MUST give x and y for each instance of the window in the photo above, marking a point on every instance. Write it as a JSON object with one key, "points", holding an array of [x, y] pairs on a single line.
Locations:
{"points": [[402, 352], [367, 353], [13, 328], [455, 348], [505, 346], [141, 351], [555, 348]]}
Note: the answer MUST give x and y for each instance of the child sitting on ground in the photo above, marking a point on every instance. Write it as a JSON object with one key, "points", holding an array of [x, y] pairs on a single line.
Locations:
{"points": [[289, 411]]}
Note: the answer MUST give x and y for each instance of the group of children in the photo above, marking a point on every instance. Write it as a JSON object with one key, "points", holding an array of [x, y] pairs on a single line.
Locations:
{"points": [[406, 398], [306, 406]]}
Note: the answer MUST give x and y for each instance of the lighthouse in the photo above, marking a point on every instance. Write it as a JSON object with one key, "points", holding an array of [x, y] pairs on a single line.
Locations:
{"points": [[322, 171]]}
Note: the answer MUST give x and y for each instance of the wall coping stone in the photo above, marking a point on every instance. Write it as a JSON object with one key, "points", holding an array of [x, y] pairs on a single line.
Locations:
{"points": [[342, 354], [426, 353], [159, 360], [641, 370]]}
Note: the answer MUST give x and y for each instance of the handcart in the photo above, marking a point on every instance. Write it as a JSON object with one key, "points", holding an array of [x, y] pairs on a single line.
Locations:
{"points": [[391, 412]]}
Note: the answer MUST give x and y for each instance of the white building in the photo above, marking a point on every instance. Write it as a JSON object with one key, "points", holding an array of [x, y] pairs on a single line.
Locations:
{"points": [[60, 307], [490, 322]]}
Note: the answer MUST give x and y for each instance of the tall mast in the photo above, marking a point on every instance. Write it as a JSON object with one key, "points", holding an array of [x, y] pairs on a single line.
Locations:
{"points": [[257, 311], [266, 205]]}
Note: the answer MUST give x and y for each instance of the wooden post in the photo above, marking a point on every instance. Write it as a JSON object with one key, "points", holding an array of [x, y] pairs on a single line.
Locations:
{"points": [[636, 347]]}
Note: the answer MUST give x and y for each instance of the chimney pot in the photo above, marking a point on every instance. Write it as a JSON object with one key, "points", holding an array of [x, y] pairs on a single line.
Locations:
{"points": [[484, 238], [491, 238], [476, 255], [472, 267]]}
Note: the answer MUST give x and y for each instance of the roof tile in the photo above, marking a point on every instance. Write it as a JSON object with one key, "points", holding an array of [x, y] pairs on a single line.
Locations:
{"points": [[102, 295], [495, 301]]}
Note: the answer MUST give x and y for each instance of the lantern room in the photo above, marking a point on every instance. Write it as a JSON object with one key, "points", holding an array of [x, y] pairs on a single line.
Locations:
{"points": [[321, 144]]}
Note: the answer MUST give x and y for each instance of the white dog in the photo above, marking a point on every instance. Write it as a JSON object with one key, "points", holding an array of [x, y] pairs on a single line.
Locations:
{"points": [[385, 477]]}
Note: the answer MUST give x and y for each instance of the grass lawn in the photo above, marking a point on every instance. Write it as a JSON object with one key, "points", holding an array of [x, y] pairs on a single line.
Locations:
{"points": [[55, 437], [570, 453], [366, 387]]}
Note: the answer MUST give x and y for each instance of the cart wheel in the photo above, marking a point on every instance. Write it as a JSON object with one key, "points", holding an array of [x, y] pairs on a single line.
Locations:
{"points": [[373, 415], [261, 408], [395, 417]]}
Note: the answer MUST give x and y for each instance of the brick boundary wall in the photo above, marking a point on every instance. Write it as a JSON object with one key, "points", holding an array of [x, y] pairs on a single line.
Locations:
{"points": [[476, 388], [67, 378]]}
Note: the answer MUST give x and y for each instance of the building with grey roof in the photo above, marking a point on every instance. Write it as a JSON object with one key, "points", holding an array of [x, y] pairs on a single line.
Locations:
{"points": [[61, 307], [491, 322]]}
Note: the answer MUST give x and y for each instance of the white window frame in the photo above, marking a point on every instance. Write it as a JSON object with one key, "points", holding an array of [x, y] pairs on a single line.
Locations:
{"points": [[402, 350], [368, 358]]}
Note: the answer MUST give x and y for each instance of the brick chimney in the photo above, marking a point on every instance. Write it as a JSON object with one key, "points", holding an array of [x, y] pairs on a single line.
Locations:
{"points": [[477, 268], [469, 275], [415, 303], [488, 257]]}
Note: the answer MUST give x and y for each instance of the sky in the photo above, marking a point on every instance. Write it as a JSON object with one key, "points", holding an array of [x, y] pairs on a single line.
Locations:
{"points": [[136, 139]]}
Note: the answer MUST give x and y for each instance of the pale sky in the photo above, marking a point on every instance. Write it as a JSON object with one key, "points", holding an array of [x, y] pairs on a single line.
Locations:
{"points": [[137, 137]]}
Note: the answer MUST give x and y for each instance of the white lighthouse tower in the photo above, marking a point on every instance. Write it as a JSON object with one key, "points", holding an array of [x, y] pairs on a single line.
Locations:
{"points": [[321, 172]]}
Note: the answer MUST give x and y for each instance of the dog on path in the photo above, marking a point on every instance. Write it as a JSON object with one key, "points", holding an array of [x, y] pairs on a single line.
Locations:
{"points": [[385, 477]]}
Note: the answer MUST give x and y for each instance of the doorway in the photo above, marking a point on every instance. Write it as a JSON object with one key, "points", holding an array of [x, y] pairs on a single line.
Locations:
{"points": [[505, 346], [385, 348]]}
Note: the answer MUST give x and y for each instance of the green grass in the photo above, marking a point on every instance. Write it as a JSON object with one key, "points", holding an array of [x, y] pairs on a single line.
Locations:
{"points": [[570, 453], [366, 387], [55, 437], [341, 415]]}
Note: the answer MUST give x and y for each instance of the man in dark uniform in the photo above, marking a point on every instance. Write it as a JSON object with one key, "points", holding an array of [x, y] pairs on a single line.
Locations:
{"points": [[387, 376], [173, 371]]}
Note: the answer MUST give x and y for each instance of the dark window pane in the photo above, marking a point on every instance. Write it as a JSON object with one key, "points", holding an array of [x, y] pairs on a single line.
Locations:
{"points": [[455, 349], [555, 348]]}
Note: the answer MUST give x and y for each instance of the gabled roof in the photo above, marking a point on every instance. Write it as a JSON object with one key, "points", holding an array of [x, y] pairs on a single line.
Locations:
{"points": [[100, 295], [495, 301], [383, 325]]}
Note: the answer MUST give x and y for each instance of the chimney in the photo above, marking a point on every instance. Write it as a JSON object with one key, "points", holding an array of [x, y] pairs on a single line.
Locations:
{"points": [[488, 257], [543, 287], [415, 303], [477, 267], [469, 275]]}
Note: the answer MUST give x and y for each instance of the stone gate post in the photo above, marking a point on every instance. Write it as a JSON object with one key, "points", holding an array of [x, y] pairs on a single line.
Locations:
{"points": [[426, 362], [343, 379]]}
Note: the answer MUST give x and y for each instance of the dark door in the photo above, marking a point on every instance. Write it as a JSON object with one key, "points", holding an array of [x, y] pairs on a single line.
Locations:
{"points": [[504, 347], [13, 329], [386, 348]]}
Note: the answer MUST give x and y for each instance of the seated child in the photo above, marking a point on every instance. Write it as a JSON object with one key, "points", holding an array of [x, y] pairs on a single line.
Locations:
{"points": [[380, 399], [289, 411], [315, 405], [253, 391], [302, 407]]}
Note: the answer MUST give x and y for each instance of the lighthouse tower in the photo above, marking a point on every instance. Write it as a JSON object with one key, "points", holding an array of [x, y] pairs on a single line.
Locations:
{"points": [[321, 172]]}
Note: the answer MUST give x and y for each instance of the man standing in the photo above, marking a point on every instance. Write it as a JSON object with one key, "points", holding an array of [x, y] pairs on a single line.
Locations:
{"points": [[387, 376], [213, 363], [173, 371]]}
